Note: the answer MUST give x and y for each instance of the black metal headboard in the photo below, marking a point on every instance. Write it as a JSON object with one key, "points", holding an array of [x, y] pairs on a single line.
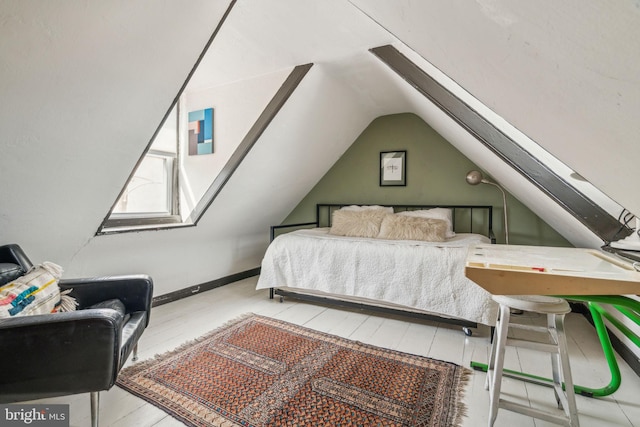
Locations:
{"points": [[465, 218]]}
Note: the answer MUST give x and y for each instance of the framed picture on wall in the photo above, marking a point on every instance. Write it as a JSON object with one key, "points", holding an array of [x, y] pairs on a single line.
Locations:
{"points": [[201, 132], [393, 168]]}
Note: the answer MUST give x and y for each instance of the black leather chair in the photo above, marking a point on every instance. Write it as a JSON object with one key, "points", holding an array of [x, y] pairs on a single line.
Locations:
{"points": [[71, 352]]}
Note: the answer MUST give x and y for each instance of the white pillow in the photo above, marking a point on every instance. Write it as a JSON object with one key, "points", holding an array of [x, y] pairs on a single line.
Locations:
{"points": [[367, 207], [357, 223], [435, 213], [404, 227], [36, 292]]}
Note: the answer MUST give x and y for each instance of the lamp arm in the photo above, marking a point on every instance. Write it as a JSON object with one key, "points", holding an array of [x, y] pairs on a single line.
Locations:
{"points": [[504, 205]]}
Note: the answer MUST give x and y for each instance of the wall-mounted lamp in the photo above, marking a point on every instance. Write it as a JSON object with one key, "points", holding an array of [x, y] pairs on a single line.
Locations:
{"points": [[475, 178]]}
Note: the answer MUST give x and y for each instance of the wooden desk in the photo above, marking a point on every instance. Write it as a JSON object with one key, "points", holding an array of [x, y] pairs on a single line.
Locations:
{"points": [[587, 275], [541, 270]]}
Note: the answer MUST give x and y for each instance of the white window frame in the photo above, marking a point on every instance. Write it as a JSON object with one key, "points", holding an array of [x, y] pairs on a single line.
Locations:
{"points": [[170, 166], [124, 221]]}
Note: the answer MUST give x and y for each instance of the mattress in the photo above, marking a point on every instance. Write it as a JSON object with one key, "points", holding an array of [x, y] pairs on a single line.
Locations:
{"points": [[415, 275]]}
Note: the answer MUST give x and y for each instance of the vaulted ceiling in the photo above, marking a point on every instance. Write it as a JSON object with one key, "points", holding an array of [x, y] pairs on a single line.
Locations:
{"points": [[84, 85], [527, 66]]}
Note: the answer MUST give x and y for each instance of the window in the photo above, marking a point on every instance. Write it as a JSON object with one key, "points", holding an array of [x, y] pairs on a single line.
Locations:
{"points": [[151, 196], [154, 197], [149, 191]]}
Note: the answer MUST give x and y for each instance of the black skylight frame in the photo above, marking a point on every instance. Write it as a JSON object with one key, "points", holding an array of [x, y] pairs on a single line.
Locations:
{"points": [[252, 136], [112, 226], [590, 214]]}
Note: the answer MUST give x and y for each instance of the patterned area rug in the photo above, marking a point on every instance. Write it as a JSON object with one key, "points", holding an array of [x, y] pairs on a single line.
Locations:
{"points": [[258, 371]]}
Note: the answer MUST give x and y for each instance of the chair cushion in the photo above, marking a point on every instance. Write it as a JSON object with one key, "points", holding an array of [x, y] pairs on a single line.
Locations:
{"points": [[131, 333], [113, 304], [9, 272]]}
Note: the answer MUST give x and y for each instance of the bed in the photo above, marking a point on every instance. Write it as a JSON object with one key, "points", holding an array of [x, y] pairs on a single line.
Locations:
{"points": [[351, 263]]}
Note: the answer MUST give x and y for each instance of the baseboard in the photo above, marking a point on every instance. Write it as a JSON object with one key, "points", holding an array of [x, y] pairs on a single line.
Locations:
{"points": [[207, 286], [620, 347]]}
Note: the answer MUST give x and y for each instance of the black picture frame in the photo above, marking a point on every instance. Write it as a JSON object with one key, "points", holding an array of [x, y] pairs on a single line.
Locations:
{"points": [[393, 168]]}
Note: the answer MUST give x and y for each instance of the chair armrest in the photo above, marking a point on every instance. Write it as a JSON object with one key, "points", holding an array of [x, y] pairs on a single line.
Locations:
{"points": [[14, 253], [61, 353], [135, 291]]}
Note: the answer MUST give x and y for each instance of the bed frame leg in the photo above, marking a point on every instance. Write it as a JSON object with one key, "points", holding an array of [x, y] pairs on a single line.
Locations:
{"points": [[270, 293]]}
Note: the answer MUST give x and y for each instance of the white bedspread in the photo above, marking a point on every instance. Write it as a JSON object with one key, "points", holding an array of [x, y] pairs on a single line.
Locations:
{"points": [[426, 276]]}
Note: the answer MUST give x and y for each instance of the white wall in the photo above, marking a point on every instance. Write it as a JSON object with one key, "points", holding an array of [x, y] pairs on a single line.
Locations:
{"points": [[88, 85], [83, 87]]}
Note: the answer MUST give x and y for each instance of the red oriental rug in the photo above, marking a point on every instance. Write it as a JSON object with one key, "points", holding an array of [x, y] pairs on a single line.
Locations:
{"points": [[258, 371]]}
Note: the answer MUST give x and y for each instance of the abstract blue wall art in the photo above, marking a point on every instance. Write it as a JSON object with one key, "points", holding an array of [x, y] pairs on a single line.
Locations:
{"points": [[201, 132]]}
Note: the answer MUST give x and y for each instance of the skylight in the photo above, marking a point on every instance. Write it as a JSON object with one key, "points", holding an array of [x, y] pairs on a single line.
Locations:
{"points": [[584, 201]]}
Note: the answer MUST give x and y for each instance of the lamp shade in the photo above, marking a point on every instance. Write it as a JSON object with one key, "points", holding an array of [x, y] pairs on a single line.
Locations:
{"points": [[474, 177]]}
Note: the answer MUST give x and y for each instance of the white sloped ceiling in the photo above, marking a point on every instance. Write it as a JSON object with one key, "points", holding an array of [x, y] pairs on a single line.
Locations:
{"points": [[85, 84], [567, 74]]}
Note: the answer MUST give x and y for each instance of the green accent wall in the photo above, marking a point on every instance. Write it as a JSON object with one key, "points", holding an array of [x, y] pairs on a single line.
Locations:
{"points": [[436, 173]]}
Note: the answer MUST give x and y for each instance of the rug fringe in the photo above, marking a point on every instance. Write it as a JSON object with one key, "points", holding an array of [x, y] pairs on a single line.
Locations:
{"points": [[461, 409], [144, 364]]}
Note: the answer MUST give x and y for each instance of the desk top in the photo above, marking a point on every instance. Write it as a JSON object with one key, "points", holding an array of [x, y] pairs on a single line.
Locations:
{"points": [[543, 270]]}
